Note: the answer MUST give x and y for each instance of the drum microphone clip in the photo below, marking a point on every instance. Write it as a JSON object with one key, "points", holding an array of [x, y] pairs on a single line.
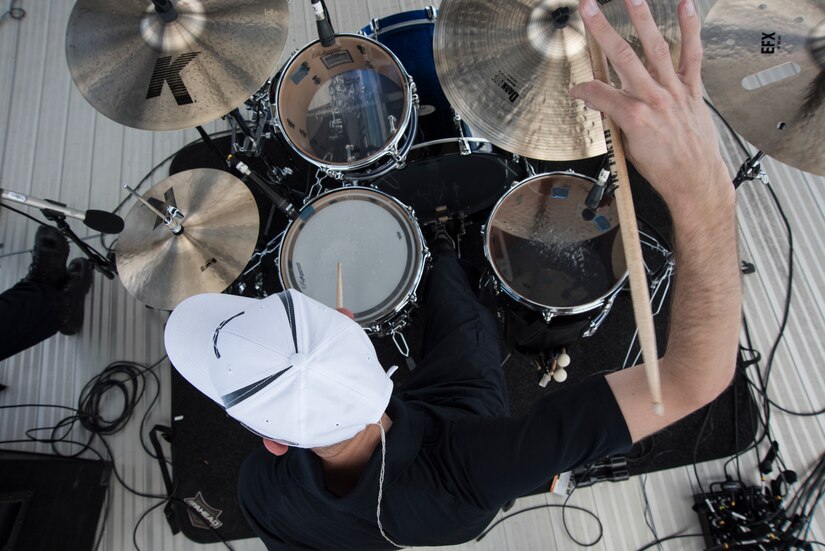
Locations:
{"points": [[325, 31], [594, 198]]}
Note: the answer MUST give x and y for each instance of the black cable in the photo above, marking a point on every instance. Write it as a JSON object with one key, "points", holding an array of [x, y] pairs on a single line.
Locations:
{"points": [[708, 415], [564, 507], [5, 206], [648, 512], [548, 506], [14, 12]]}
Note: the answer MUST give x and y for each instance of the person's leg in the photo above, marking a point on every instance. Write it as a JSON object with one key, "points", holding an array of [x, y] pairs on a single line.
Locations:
{"points": [[29, 314], [461, 363]]}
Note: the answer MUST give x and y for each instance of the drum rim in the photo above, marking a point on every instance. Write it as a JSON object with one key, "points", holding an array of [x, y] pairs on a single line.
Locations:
{"points": [[408, 296], [515, 295], [409, 107], [427, 19]]}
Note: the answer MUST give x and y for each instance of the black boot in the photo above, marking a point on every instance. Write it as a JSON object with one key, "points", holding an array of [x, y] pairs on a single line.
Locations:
{"points": [[73, 299], [49, 257]]}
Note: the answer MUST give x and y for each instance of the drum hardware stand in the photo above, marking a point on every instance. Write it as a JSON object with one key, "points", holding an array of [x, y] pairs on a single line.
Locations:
{"points": [[752, 170], [252, 140], [170, 219], [317, 187], [210, 144], [100, 263], [463, 145]]}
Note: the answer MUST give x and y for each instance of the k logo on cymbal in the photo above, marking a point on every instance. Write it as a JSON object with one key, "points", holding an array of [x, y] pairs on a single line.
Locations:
{"points": [[169, 72]]}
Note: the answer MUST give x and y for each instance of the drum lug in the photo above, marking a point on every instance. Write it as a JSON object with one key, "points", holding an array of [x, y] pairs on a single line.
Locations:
{"points": [[464, 147], [432, 12], [598, 320], [400, 162], [375, 25]]}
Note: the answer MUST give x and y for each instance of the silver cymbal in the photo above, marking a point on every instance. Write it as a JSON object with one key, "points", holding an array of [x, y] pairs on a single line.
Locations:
{"points": [[764, 69], [142, 72], [507, 67], [220, 229]]}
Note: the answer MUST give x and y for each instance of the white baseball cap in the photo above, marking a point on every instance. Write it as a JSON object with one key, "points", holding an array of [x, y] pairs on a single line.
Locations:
{"points": [[287, 367]]}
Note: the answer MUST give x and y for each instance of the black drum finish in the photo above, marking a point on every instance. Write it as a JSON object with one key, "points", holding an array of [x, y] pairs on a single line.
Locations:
{"points": [[440, 178]]}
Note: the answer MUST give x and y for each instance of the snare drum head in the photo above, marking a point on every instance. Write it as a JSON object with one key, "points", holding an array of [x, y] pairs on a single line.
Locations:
{"points": [[375, 239], [344, 104], [543, 250]]}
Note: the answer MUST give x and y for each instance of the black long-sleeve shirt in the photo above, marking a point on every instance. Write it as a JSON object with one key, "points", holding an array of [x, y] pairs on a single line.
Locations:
{"points": [[447, 473]]}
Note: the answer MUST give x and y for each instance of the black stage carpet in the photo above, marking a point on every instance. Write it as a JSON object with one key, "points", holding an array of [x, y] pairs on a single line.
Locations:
{"points": [[209, 446]]}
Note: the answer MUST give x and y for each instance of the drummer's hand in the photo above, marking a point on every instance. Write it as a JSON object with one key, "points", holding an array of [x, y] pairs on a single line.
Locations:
{"points": [[669, 135], [347, 312]]}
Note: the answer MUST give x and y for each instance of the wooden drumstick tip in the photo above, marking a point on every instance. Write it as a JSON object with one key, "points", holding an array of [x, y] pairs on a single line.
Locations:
{"points": [[658, 409], [339, 299]]}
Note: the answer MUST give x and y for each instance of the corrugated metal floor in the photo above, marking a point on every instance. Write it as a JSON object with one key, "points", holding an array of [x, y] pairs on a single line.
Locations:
{"points": [[54, 145]]}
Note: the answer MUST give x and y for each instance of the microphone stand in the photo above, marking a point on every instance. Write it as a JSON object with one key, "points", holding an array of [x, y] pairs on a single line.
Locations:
{"points": [[100, 263]]}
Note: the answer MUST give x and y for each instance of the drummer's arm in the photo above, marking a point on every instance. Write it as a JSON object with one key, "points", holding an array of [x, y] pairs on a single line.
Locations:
{"points": [[671, 140]]}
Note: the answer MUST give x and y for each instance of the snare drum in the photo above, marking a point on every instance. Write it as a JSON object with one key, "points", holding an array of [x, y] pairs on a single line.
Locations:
{"points": [[348, 109], [549, 257], [379, 244]]}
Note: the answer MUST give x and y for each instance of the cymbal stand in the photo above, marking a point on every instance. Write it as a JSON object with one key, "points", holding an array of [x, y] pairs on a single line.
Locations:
{"points": [[170, 219], [100, 263], [211, 145], [750, 170]]}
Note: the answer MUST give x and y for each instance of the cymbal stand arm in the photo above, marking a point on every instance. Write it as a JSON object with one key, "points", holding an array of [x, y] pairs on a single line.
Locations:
{"points": [[100, 263], [211, 144], [170, 218], [751, 169]]}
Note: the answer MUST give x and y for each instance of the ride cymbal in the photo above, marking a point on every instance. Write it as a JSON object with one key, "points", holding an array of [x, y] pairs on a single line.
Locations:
{"points": [[764, 70], [507, 68], [143, 72], [220, 229]]}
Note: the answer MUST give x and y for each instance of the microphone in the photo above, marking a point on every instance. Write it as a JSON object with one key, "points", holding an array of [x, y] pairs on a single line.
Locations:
{"points": [[98, 220], [594, 198], [325, 31], [277, 199]]}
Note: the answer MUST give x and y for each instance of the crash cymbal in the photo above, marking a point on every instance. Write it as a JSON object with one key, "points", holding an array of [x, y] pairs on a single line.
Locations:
{"points": [[146, 73], [764, 70], [220, 229], [507, 67]]}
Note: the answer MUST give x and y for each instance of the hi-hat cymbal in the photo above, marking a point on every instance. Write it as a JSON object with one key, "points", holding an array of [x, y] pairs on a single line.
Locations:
{"points": [[764, 69], [143, 72], [220, 229], [507, 68]]}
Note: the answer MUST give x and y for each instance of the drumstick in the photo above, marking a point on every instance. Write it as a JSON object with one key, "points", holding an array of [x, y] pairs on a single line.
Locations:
{"points": [[339, 301], [639, 291]]}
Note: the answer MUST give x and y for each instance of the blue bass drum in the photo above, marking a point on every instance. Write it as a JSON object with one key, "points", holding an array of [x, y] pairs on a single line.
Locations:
{"points": [[409, 35]]}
